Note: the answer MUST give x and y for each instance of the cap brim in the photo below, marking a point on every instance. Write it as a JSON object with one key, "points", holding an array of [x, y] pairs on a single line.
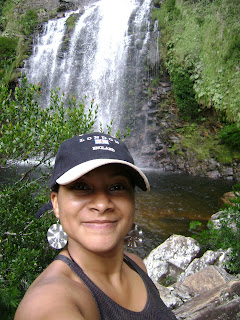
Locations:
{"points": [[83, 168]]}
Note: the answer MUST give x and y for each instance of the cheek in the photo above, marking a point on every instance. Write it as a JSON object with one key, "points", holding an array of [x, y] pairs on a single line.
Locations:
{"points": [[69, 208], [129, 208]]}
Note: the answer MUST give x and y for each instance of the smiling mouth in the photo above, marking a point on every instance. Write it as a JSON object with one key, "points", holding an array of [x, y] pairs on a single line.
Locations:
{"points": [[98, 224]]}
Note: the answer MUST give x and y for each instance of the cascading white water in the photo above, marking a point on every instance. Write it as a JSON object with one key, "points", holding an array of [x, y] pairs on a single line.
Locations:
{"points": [[43, 63], [102, 60]]}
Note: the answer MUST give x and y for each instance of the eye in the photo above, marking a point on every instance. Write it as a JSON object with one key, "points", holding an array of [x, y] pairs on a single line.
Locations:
{"points": [[119, 187], [80, 186]]}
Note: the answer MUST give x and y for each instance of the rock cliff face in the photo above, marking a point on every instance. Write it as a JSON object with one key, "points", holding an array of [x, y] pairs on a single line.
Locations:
{"points": [[159, 134]]}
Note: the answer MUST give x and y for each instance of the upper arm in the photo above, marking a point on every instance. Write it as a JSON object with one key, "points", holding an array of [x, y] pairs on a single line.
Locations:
{"points": [[42, 306], [137, 260], [57, 302], [47, 312]]}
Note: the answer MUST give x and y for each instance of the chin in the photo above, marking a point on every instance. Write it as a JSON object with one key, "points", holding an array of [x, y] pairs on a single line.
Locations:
{"points": [[104, 246]]}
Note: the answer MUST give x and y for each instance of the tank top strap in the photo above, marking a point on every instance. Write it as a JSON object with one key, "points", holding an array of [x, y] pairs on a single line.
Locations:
{"points": [[76, 269], [80, 273]]}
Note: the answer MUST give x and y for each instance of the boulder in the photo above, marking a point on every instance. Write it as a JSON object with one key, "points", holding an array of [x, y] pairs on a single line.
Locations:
{"points": [[171, 258], [221, 216], [202, 290], [172, 296], [209, 258], [222, 302], [206, 279]]}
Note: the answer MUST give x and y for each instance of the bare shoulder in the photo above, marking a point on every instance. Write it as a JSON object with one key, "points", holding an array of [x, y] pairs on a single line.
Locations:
{"points": [[57, 298], [137, 260]]}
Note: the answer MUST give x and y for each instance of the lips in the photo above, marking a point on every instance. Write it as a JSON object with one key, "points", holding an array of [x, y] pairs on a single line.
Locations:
{"points": [[100, 224]]}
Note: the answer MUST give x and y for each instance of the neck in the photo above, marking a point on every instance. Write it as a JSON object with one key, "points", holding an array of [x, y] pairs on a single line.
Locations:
{"points": [[100, 263]]}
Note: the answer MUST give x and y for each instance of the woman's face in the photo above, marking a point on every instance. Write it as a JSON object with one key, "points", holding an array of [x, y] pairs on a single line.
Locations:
{"points": [[97, 210]]}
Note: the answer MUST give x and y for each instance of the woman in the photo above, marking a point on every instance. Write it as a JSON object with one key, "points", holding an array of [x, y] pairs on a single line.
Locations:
{"points": [[93, 197]]}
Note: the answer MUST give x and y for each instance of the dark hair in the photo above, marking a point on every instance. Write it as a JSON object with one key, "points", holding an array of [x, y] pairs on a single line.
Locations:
{"points": [[55, 187]]}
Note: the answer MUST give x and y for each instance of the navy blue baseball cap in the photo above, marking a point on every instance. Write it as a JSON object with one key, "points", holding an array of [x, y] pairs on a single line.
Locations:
{"points": [[81, 154]]}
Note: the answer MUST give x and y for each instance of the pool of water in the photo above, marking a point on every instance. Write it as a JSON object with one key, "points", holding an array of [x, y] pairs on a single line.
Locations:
{"points": [[173, 202]]}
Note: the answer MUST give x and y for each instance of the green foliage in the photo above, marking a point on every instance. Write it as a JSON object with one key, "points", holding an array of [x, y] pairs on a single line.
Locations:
{"points": [[17, 22], [205, 38], [8, 47], [230, 135], [28, 22], [203, 144], [195, 225], [24, 250], [233, 51], [29, 132], [225, 234], [184, 92], [170, 5], [168, 281]]}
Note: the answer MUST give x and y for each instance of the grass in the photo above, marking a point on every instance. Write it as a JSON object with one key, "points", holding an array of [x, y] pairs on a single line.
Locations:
{"points": [[204, 144]]}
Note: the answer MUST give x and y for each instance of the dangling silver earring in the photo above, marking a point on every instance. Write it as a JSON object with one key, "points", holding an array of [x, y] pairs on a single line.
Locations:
{"points": [[134, 237], [56, 236]]}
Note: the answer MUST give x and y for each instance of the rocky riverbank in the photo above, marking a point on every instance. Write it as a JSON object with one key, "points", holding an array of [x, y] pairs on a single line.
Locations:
{"points": [[196, 287]]}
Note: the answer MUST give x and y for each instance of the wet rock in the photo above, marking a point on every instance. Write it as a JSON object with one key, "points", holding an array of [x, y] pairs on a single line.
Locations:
{"points": [[149, 149], [227, 172]]}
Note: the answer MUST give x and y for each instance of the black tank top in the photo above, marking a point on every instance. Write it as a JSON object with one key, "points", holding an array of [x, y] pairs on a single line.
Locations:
{"points": [[154, 309]]}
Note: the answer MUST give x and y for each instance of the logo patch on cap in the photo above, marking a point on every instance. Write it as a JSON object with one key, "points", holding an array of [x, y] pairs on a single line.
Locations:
{"points": [[101, 141]]}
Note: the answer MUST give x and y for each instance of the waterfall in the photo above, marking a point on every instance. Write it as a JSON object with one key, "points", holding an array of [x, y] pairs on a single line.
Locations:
{"points": [[103, 58]]}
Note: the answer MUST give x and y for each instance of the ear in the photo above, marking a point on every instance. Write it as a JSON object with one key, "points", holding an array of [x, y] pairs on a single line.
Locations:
{"points": [[54, 200]]}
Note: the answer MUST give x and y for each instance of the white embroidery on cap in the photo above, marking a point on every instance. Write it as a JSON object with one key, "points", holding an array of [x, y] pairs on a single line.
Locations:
{"points": [[103, 148]]}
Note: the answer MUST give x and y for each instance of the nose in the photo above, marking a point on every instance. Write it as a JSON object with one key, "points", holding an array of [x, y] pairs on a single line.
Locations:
{"points": [[101, 202]]}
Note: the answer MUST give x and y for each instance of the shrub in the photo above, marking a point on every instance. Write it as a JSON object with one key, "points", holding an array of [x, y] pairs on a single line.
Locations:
{"points": [[184, 93], [226, 234], [28, 131], [8, 47], [230, 135], [24, 250], [28, 22]]}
